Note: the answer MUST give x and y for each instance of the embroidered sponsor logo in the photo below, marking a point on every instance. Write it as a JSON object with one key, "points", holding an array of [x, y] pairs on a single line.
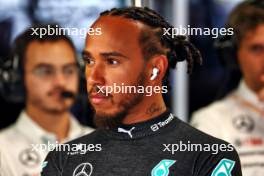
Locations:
{"points": [[157, 126], [129, 132], [29, 158], [84, 169], [224, 168], [162, 169]]}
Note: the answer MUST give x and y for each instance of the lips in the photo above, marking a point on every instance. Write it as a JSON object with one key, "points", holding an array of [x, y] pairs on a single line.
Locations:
{"points": [[98, 98]]}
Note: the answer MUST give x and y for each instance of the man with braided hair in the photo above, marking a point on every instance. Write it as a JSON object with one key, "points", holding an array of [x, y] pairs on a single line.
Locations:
{"points": [[137, 134]]}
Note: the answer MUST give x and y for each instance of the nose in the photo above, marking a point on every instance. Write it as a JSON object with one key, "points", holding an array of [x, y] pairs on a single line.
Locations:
{"points": [[60, 79], [95, 75]]}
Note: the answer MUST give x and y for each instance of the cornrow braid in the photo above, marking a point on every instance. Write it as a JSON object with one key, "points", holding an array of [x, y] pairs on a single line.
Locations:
{"points": [[178, 48]]}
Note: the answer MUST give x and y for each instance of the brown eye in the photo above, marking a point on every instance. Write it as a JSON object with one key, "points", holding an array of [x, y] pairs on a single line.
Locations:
{"points": [[44, 71], [112, 61], [88, 61], [70, 70], [257, 49]]}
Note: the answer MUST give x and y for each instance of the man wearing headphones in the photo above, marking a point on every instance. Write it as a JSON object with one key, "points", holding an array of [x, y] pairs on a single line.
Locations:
{"points": [[137, 134], [239, 117], [48, 71]]}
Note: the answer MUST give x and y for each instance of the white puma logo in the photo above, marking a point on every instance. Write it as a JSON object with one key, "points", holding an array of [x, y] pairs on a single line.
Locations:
{"points": [[126, 131]]}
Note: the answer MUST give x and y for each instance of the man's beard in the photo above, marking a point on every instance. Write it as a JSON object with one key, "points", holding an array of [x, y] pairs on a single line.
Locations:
{"points": [[50, 109], [44, 106], [110, 121]]}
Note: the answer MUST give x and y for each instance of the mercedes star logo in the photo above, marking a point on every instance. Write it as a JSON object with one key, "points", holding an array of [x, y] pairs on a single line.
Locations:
{"points": [[84, 169], [29, 158]]}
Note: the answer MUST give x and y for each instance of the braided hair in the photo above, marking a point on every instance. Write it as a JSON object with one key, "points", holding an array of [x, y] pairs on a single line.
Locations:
{"points": [[153, 40]]}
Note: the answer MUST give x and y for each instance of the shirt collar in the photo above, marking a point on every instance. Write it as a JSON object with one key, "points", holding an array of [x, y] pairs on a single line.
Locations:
{"points": [[31, 130], [142, 129], [247, 94]]}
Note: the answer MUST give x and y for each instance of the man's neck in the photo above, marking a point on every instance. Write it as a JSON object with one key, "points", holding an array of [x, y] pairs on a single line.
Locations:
{"points": [[148, 109], [56, 123]]}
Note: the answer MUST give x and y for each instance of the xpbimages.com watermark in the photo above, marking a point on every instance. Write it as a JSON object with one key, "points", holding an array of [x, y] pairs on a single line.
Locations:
{"points": [[192, 147], [71, 149], [126, 89], [70, 31], [188, 31]]}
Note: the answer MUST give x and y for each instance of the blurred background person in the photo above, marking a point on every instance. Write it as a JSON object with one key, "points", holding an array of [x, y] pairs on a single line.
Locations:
{"points": [[18, 15], [46, 70], [239, 117]]}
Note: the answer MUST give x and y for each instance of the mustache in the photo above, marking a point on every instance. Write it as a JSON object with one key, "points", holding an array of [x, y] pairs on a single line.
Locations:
{"points": [[67, 94], [63, 93]]}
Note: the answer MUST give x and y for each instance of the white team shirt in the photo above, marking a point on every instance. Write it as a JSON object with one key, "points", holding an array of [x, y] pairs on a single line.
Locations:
{"points": [[20, 152], [239, 120]]}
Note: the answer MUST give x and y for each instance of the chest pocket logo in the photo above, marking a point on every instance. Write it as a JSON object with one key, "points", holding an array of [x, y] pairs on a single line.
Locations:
{"points": [[162, 169]]}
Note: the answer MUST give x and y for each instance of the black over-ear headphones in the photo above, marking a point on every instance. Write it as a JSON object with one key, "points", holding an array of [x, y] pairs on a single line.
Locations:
{"points": [[11, 78]]}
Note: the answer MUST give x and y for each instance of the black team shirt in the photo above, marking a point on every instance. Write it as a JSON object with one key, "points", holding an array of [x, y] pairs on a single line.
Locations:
{"points": [[157, 147]]}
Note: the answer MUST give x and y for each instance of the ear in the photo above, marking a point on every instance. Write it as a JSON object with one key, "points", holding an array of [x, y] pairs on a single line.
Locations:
{"points": [[161, 63]]}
